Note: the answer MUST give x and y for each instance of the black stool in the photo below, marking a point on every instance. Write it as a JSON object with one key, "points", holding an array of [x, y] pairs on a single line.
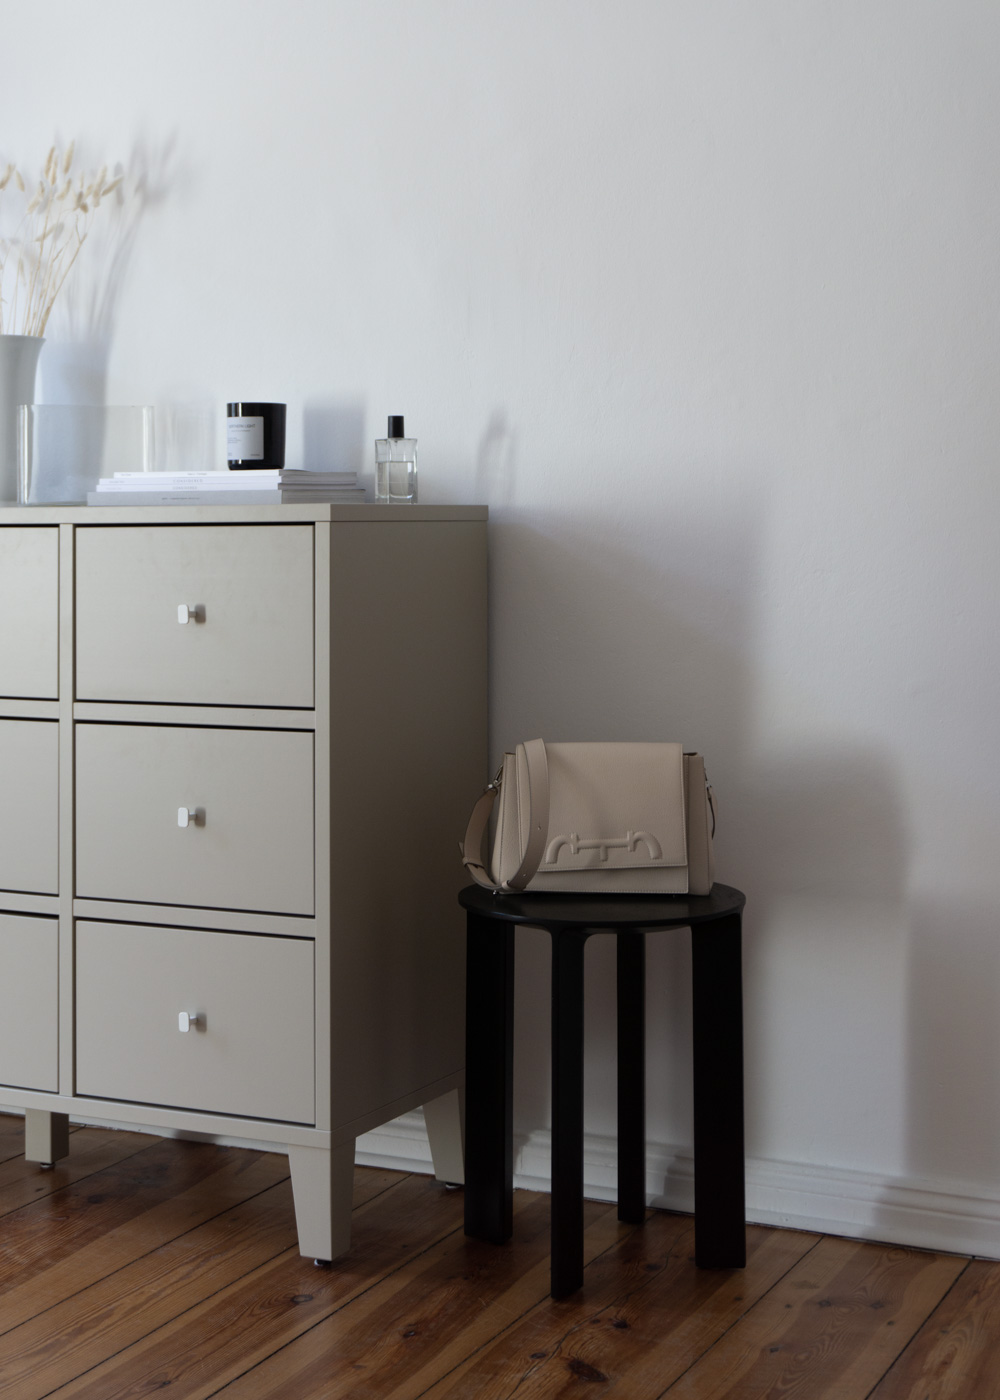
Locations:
{"points": [[715, 923]]}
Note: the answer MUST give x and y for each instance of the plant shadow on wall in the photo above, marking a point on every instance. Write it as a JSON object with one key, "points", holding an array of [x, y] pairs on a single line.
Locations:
{"points": [[74, 367], [614, 627], [496, 462]]}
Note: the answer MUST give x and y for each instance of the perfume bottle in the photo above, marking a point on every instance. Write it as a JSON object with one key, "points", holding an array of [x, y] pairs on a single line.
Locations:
{"points": [[396, 465]]}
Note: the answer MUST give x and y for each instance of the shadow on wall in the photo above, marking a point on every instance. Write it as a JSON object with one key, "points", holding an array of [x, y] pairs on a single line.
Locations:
{"points": [[593, 640], [954, 1042], [333, 437], [824, 819], [496, 462], [820, 843], [74, 366]]}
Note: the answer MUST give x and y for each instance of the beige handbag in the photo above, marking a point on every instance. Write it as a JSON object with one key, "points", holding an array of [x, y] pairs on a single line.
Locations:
{"points": [[596, 818]]}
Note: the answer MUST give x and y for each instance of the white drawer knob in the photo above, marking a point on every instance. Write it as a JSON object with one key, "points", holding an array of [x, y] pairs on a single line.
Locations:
{"points": [[187, 612], [187, 816], [185, 1020]]}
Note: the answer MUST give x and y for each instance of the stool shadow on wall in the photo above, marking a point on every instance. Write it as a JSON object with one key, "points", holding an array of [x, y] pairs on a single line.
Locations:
{"points": [[606, 626], [824, 855]]}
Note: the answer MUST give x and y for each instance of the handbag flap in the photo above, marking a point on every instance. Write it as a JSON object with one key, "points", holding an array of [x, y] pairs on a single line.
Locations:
{"points": [[611, 806]]}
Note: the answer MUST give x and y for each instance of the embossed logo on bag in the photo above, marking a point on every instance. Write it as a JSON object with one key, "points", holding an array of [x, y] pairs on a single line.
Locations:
{"points": [[603, 844]]}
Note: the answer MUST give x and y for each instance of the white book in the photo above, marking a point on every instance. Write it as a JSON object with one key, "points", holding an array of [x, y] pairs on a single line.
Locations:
{"points": [[226, 481], [345, 495]]}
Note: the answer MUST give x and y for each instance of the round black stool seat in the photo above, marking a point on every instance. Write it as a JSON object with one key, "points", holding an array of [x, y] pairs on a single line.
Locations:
{"points": [[610, 911], [717, 1028]]}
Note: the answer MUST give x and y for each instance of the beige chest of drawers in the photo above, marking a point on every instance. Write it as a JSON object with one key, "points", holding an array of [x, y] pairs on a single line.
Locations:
{"points": [[237, 747]]}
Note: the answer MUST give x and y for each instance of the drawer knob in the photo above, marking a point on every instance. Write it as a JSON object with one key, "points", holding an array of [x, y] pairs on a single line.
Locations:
{"points": [[190, 816], [187, 612], [186, 1020]]}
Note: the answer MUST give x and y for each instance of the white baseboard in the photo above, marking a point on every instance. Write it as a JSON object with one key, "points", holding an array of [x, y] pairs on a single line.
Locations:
{"points": [[953, 1217], [950, 1216]]}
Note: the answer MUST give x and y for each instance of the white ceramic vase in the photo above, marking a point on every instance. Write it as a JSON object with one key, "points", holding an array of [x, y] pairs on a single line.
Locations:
{"points": [[18, 363]]}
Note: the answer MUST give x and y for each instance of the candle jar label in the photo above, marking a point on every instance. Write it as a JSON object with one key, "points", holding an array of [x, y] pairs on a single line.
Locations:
{"points": [[245, 439]]}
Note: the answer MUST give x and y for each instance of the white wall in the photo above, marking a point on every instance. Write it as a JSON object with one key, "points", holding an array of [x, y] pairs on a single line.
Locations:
{"points": [[701, 297]]}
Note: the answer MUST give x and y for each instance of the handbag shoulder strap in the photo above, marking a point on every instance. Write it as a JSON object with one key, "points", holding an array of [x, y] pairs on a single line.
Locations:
{"points": [[537, 767], [475, 834]]}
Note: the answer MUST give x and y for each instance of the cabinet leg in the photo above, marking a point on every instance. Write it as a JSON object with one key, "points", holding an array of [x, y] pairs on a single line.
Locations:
{"points": [[445, 1120], [46, 1136], [322, 1187]]}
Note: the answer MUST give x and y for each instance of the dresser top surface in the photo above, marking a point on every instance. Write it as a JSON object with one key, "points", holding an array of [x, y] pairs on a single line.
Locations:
{"points": [[237, 514]]}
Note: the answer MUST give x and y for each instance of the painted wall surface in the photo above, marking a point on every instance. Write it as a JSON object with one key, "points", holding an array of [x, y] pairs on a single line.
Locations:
{"points": [[702, 299]]}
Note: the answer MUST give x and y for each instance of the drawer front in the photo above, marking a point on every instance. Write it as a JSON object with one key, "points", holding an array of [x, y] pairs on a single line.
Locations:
{"points": [[250, 843], [29, 1002], [249, 1053], [29, 805], [29, 618], [250, 587]]}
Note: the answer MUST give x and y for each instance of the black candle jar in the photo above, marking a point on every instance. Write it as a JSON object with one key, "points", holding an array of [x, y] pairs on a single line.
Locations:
{"points": [[255, 435]]}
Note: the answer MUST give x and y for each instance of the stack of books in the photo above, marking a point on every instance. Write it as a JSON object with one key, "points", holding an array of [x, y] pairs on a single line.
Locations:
{"points": [[231, 488]]}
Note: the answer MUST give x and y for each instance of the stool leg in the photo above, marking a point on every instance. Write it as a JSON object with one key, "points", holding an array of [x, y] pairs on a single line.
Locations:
{"points": [[719, 1201], [489, 1078], [567, 1110], [631, 1076]]}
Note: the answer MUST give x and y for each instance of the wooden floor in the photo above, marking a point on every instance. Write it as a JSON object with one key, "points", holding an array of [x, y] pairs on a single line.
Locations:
{"points": [[140, 1265]]}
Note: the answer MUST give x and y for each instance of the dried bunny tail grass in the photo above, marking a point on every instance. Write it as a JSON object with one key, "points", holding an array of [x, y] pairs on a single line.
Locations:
{"points": [[55, 224]]}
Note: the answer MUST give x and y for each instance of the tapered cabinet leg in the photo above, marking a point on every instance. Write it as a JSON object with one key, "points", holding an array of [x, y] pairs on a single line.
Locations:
{"points": [[322, 1187], [46, 1136], [567, 1111], [631, 1076], [445, 1121], [489, 1080], [719, 1199]]}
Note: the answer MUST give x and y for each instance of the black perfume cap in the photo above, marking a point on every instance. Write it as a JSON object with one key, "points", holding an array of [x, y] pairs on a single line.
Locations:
{"points": [[396, 426]]}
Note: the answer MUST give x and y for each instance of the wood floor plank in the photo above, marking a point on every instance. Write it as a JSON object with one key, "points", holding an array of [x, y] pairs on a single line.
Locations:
{"points": [[73, 1337], [956, 1354], [644, 1314], [841, 1316], [11, 1135], [50, 1229], [170, 1277], [229, 1178], [92, 1150], [144, 1264], [396, 1338], [203, 1349]]}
